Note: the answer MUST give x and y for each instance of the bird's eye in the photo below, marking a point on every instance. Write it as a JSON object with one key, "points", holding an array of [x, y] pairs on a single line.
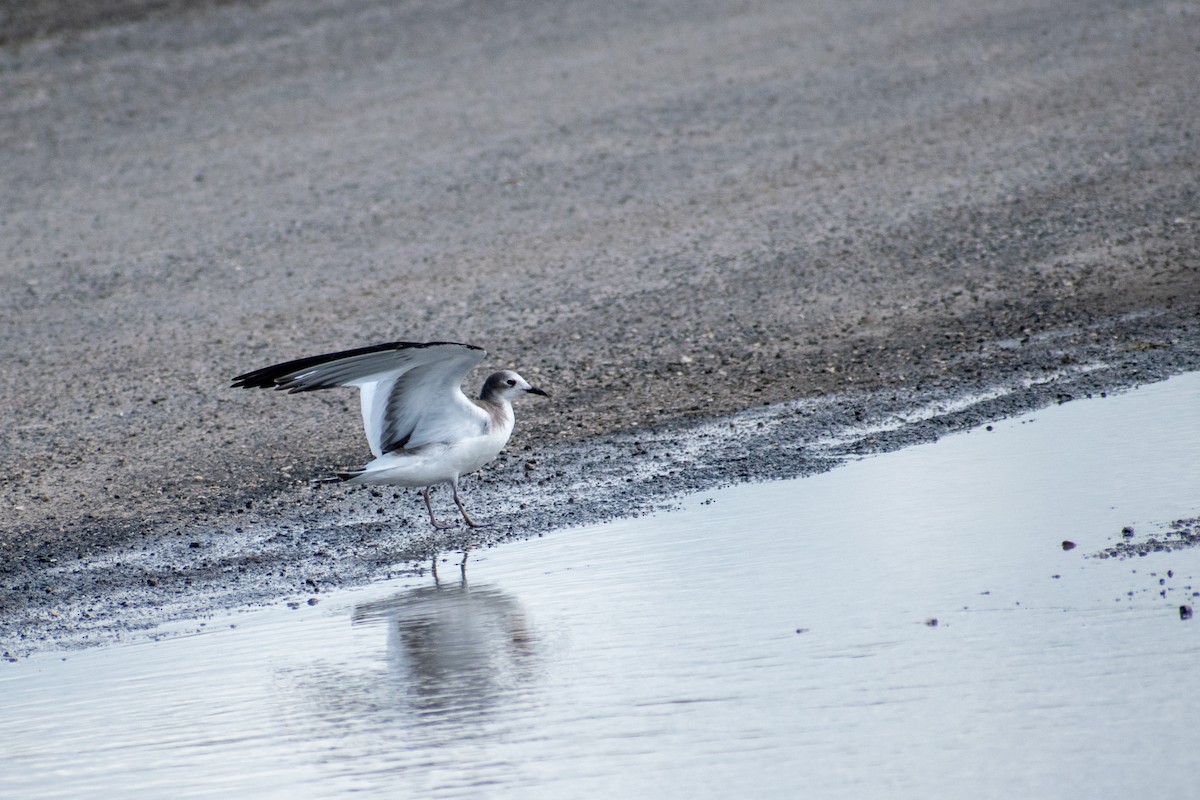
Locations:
{"points": [[511, 382]]}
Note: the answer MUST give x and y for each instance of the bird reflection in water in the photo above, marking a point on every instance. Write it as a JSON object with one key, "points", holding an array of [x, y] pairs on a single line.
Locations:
{"points": [[454, 650]]}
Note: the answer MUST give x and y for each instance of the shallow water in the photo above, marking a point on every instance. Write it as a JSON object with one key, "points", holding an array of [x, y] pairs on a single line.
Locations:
{"points": [[769, 640]]}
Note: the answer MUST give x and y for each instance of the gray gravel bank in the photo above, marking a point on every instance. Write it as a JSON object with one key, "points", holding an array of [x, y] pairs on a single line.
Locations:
{"points": [[665, 213]]}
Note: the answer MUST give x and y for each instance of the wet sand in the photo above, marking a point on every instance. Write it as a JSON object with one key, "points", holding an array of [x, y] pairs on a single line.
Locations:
{"points": [[663, 213]]}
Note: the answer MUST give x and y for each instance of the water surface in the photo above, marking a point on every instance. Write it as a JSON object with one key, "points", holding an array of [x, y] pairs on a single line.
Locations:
{"points": [[768, 640]]}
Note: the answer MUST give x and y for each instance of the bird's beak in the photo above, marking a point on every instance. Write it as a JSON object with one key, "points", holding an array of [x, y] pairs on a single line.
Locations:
{"points": [[535, 390]]}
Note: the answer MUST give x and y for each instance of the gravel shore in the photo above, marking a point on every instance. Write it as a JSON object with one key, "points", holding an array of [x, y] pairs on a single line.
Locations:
{"points": [[683, 219]]}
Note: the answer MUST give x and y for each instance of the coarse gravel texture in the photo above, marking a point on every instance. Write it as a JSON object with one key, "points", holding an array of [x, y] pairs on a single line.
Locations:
{"points": [[1178, 534], [858, 224]]}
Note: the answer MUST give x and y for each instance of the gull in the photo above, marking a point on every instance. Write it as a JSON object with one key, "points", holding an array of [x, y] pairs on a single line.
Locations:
{"points": [[422, 429]]}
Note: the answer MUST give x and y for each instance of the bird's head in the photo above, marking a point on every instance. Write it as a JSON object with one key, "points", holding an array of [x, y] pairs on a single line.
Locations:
{"points": [[507, 385]]}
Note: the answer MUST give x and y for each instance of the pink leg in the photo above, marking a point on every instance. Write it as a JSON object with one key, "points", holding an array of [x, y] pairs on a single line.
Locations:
{"points": [[462, 509], [441, 526]]}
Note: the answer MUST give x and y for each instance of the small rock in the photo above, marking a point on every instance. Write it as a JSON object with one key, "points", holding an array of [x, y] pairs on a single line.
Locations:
{"points": [[1068, 545], [1185, 611], [932, 622]]}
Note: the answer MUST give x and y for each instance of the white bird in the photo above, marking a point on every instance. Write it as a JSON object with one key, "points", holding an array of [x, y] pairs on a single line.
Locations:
{"points": [[422, 429]]}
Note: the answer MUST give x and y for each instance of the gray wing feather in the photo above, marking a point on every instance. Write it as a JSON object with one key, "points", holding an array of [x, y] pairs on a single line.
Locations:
{"points": [[411, 393]]}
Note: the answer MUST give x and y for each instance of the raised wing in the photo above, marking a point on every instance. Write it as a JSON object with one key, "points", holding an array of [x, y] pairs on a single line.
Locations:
{"points": [[411, 392]]}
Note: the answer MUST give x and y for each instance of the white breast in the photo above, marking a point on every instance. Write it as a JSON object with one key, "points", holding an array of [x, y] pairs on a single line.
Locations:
{"points": [[436, 463]]}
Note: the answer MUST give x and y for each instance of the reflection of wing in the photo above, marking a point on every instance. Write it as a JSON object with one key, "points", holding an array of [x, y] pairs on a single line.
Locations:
{"points": [[411, 393]]}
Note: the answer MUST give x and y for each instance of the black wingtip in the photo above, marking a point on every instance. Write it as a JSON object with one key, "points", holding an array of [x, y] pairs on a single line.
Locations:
{"points": [[271, 377], [247, 381], [264, 378]]}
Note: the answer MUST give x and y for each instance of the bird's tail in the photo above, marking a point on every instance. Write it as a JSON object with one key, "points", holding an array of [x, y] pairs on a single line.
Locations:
{"points": [[338, 477]]}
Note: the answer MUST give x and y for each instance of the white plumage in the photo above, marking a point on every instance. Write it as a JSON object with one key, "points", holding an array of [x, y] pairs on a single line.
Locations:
{"points": [[420, 426]]}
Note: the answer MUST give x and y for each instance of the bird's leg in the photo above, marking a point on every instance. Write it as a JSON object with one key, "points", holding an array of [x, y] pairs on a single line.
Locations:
{"points": [[467, 545], [463, 510], [441, 526]]}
